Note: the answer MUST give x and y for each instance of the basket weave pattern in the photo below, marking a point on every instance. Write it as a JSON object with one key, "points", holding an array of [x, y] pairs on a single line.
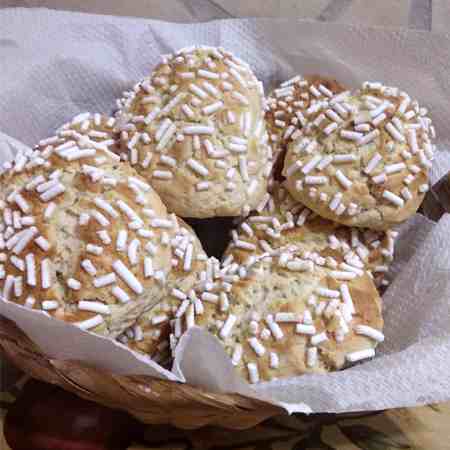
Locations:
{"points": [[150, 400]]}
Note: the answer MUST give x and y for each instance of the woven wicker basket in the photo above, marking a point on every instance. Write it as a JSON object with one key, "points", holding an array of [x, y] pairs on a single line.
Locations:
{"points": [[154, 401], [150, 400]]}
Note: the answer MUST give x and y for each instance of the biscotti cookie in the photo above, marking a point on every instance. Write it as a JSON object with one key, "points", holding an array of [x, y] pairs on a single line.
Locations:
{"points": [[80, 231], [284, 221], [363, 158], [289, 314], [150, 333], [287, 109], [195, 130]]}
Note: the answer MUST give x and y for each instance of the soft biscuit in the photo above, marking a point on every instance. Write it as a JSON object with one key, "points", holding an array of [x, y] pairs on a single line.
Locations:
{"points": [[188, 301], [195, 130], [263, 299], [287, 108], [363, 158], [79, 228], [282, 221], [288, 314], [150, 333]]}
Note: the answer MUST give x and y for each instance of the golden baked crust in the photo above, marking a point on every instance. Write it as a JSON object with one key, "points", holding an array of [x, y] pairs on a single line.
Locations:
{"points": [[363, 158], [77, 229], [283, 221], [288, 306], [195, 130], [295, 272], [285, 115]]}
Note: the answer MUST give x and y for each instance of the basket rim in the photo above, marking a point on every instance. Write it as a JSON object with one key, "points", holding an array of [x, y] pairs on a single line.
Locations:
{"points": [[147, 398]]}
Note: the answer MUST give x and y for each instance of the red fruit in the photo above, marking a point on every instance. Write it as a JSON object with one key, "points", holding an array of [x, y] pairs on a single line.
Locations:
{"points": [[45, 417]]}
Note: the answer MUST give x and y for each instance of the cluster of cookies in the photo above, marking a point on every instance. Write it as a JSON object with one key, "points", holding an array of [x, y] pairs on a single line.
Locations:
{"points": [[91, 228]]}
